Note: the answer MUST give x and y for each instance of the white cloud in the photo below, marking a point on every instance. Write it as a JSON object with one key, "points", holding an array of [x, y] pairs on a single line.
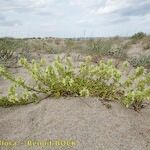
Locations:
{"points": [[116, 5], [110, 6], [84, 21], [24, 4], [87, 4]]}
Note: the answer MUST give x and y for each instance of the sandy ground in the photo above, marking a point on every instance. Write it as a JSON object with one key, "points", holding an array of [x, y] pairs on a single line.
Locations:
{"points": [[89, 124], [136, 50]]}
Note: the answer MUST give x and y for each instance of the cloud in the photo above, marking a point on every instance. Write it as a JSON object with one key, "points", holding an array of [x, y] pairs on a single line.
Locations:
{"points": [[139, 10], [124, 8], [10, 23], [24, 5], [2, 17], [117, 20], [87, 3], [109, 7]]}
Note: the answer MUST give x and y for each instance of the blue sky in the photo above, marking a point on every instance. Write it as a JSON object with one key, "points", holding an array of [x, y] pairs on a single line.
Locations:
{"points": [[73, 18]]}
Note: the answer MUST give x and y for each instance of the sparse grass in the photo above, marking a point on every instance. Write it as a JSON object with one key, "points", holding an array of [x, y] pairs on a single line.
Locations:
{"points": [[69, 43]]}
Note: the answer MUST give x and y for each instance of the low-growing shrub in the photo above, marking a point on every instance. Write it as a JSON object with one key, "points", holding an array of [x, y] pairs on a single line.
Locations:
{"points": [[62, 78], [12, 50], [136, 88], [105, 47], [143, 60], [7, 48], [100, 46], [118, 53]]}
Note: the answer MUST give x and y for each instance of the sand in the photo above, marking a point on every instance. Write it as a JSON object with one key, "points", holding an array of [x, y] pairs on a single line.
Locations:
{"points": [[87, 122]]}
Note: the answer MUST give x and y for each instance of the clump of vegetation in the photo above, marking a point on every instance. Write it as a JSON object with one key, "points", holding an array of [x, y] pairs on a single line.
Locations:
{"points": [[11, 50], [138, 36], [136, 88], [99, 46], [143, 60], [118, 53], [7, 48], [105, 48], [61, 78]]}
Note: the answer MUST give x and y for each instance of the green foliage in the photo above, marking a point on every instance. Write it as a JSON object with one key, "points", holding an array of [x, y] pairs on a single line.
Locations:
{"points": [[13, 98], [105, 47], [52, 49], [8, 51], [61, 78], [100, 46], [7, 48], [138, 36], [143, 60], [137, 88], [117, 53]]}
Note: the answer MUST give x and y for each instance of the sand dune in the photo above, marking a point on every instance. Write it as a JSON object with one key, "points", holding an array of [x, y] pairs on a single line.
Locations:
{"points": [[87, 122]]}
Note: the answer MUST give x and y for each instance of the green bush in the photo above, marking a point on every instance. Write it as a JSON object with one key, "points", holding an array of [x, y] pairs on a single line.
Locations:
{"points": [[137, 88], [138, 36], [105, 47], [7, 48], [143, 60], [117, 53], [61, 78]]}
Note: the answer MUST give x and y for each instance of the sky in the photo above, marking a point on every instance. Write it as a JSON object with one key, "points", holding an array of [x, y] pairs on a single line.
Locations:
{"points": [[73, 18]]}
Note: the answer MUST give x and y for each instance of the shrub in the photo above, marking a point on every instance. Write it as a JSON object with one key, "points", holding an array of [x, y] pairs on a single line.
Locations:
{"points": [[143, 60], [105, 47], [117, 53], [7, 48], [137, 88], [99, 46], [61, 78], [138, 36]]}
